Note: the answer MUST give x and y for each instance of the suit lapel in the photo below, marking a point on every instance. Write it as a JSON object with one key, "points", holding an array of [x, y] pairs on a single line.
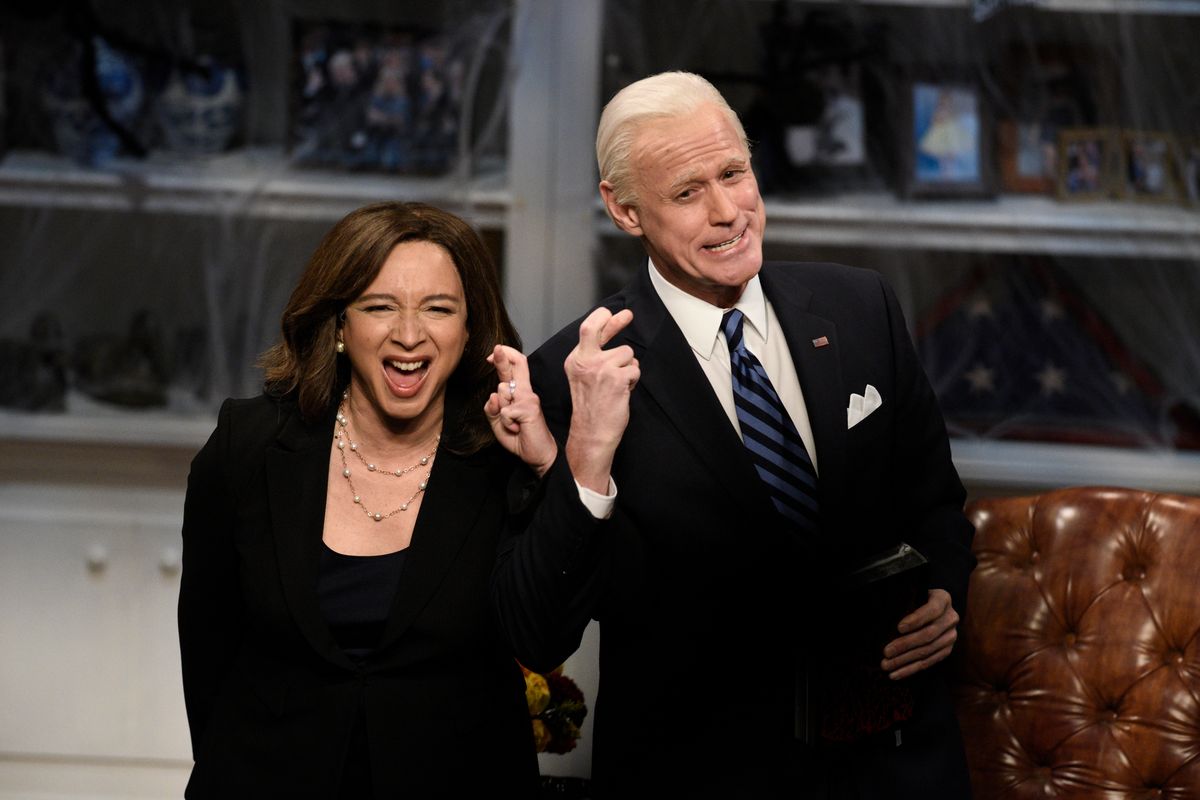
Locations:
{"points": [[458, 486], [819, 371], [674, 381], [297, 481]]}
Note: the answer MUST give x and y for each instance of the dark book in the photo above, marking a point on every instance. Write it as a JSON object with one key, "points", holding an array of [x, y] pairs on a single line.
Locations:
{"points": [[858, 699], [881, 591]]}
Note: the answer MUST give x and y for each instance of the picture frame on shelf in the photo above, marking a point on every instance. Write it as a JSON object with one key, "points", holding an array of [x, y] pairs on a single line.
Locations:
{"points": [[1087, 163], [1047, 87], [1025, 152], [813, 109], [1149, 167], [947, 141], [375, 98], [1189, 170]]}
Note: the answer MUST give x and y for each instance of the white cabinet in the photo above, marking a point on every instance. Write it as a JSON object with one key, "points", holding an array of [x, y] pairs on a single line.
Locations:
{"points": [[89, 669]]}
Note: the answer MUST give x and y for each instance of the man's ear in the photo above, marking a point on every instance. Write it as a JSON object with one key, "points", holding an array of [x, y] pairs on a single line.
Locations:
{"points": [[625, 216]]}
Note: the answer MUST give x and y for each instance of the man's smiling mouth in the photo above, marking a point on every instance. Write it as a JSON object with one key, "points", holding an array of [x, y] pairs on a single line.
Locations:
{"points": [[718, 248]]}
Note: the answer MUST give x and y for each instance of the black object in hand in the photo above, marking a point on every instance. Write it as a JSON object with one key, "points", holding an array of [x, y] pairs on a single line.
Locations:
{"points": [[881, 591]]}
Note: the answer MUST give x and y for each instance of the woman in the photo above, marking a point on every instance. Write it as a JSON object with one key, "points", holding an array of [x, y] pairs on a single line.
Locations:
{"points": [[339, 532]]}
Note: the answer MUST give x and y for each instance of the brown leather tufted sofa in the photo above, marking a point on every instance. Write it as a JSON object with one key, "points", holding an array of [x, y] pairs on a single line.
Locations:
{"points": [[1077, 670]]}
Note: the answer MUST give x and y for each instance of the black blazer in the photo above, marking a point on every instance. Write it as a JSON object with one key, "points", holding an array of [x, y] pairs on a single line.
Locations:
{"points": [[271, 699], [707, 602]]}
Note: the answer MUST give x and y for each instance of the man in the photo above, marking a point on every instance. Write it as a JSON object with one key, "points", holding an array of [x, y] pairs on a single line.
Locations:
{"points": [[718, 579]]}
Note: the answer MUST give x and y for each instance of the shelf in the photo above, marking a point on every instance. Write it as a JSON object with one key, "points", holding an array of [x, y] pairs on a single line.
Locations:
{"points": [[88, 422], [1036, 466], [1147, 7], [1010, 224], [250, 183]]}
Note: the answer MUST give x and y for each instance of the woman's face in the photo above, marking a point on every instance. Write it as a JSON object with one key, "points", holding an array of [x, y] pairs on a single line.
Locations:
{"points": [[405, 335]]}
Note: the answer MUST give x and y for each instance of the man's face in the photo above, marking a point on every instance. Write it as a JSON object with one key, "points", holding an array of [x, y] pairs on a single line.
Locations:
{"points": [[698, 209]]}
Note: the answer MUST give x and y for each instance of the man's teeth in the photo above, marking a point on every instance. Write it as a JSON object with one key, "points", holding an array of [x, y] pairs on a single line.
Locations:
{"points": [[724, 245], [407, 366]]}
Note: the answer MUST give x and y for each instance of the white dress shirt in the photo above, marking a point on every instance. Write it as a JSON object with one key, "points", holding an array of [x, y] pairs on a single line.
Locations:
{"points": [[700, 323]]}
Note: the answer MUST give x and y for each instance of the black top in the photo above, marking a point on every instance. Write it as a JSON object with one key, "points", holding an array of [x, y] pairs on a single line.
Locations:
{"points": [[356, 595]]}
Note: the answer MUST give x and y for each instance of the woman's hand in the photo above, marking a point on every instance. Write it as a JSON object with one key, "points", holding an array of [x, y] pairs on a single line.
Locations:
{"points": [[601, 382], [515, 412]]}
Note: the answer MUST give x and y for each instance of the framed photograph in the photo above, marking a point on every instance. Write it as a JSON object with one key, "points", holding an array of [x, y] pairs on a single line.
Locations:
{"points": [[1149, 164], [1189, 170], [1026, 152], [814, 110], [374, 98], [1047, 87], [1088, 158], [948, 146]]}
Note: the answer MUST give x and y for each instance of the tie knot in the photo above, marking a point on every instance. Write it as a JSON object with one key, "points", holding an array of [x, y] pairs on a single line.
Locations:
{"points": [[731, 326]]}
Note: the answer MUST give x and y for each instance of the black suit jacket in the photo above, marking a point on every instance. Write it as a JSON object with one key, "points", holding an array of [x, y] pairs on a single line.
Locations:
{"points": [[707, 601], [271, 699]]}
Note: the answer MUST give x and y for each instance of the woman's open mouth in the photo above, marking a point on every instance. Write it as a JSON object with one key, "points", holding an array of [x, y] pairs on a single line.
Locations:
{"points": [[405, 375]]}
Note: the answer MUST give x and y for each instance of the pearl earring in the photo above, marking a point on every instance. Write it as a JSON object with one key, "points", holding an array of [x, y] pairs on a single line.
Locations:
{"points": [[341, 346]]}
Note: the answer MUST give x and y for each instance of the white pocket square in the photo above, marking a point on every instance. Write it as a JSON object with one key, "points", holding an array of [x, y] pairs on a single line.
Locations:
{"points": [[861, 405]]}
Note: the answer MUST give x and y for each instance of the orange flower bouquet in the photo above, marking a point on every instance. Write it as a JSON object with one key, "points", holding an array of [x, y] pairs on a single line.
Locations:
{"points": [[556, 708]]}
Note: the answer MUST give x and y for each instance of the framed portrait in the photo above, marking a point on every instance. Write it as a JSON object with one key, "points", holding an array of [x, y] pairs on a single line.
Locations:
{"points": [[1087, 163], [1149, 167], [1026, 152], [948, 146], [374, 98], [813, 111], [1047, 87], [1189, 170]]}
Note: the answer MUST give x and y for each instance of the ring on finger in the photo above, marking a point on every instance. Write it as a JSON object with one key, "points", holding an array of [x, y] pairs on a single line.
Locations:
{"points": [[512, 389]]}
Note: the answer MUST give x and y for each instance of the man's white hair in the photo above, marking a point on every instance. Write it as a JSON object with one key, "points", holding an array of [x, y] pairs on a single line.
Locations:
{"points": [[662, 96]]}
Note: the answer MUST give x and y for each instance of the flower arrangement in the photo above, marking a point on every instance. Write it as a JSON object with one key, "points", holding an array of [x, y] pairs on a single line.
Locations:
{"points": [[556, 708]]}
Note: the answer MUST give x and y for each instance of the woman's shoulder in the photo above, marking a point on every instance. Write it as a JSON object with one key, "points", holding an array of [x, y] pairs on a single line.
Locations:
{"points": [[252, 422], [261, 410]]}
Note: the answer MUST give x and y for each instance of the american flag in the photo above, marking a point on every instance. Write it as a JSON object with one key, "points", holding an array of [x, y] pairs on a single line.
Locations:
{"points": [[1018, 353]]}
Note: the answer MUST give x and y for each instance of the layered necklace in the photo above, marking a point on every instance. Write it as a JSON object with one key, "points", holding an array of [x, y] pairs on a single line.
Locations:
{"points": [[343, 437]]}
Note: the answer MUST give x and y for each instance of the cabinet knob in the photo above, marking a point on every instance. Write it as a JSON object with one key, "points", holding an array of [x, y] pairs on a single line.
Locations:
{"points": [[170, 560], [97, 558]]}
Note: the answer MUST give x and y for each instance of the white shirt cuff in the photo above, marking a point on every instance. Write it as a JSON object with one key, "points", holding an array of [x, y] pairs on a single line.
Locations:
{"points": [[600, 505]]}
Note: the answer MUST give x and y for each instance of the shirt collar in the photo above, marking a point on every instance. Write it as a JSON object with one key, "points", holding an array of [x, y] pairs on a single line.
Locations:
{"points": [[699, 321]]}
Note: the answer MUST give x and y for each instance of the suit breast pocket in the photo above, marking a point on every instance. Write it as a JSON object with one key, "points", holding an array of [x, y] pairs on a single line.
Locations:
{"points": [[869, 444]]}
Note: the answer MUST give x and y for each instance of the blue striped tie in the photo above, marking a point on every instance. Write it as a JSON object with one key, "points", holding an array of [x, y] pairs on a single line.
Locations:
{"points": [[776, 448]]}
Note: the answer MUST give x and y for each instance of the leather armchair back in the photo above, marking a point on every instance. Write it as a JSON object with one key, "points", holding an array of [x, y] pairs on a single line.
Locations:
{"points": [[1078, 661]]}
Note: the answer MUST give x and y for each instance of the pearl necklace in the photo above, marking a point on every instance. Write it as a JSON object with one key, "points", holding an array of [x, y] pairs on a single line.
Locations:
{"points": [[342, 435]]}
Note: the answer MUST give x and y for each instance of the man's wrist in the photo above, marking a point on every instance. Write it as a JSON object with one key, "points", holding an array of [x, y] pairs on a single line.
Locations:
{"points": [[590, 469], [599, 505]]}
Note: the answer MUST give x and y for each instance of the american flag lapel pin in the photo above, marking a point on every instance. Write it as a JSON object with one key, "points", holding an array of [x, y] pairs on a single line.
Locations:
{"points": [[821, 341]]}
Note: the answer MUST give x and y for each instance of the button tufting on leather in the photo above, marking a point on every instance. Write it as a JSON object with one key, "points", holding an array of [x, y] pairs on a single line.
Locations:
{"points": [[1134, 573], [1069, 637]]}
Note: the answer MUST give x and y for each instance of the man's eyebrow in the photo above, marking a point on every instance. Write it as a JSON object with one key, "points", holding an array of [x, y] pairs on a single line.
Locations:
{"points": [[684, 178]]}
